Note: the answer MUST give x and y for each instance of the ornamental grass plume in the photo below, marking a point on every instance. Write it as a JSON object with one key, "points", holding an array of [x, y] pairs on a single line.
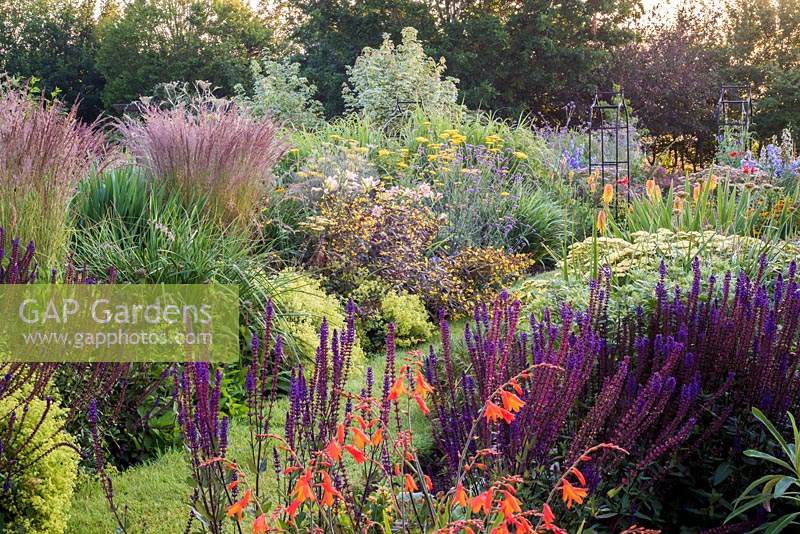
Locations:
{"points": [[207, 150], [45, 151]]}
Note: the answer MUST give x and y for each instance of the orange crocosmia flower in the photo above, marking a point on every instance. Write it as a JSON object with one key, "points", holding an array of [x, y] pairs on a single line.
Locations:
{"points": [[421, 403], [410, 483], [302, 490], [238, 507], [293, 506], [334, 450], [547, 514], [571, 494], [397, 389], [357, 455], [575, 471], [377, 437], [695, 192], [514, 384], [233, 484], [510, 505], [340, 433], [608, 194], [460, 497], [522, 525], [511, 402], [422, 388], [428, 482], [494, 412], [482, 502], [260, 524], [359, 438], [328, 491]]}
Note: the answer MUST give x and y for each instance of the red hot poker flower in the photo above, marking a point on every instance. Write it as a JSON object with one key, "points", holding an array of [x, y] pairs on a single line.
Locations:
{"points": [[410, 483]]}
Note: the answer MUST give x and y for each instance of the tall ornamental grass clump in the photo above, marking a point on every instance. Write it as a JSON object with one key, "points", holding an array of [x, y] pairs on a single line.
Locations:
{"points": [[205, 147], [45, 151]]}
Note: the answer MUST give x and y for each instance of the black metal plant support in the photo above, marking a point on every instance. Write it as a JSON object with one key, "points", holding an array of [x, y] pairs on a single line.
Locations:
{"points": [[610, 141], [733, 111]]}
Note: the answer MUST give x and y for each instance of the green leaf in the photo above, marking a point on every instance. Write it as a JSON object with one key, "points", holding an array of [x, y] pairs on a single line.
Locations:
{"points": [[755, 501], [783, 484], [768, 457], [782, 523], [772, 430], [722, 472]]}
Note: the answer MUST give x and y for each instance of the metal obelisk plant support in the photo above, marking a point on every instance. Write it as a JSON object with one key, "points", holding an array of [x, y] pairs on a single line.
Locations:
{"points": [[609, 141]]}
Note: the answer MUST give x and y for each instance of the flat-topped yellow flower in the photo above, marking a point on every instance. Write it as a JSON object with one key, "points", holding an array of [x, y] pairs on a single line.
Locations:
{"points": [[520, 155], [421, 140]]}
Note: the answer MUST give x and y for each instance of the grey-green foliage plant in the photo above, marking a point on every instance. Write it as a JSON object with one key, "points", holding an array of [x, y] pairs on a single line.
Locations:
{"points": [[783, 485], [281, 92], [383, 76]]}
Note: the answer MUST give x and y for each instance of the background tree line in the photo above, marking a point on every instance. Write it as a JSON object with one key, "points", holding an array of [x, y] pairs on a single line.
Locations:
{"points": [[528, 57]]}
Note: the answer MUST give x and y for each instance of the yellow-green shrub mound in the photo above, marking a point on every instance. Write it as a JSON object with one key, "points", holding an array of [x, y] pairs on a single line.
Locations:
{"points": [[301, 303], [40, 496]]}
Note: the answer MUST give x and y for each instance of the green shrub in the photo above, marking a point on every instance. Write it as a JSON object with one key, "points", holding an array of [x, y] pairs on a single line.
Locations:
{"points": [[280, 92], [302, 303], [40, 497], [408, 313], [382, 76]]}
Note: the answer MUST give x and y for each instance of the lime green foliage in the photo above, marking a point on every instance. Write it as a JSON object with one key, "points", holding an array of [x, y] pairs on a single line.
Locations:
{"points": [[303, 303], [41, 496], [408, 313], [634, 266], [645, 250], [404, 72]]}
